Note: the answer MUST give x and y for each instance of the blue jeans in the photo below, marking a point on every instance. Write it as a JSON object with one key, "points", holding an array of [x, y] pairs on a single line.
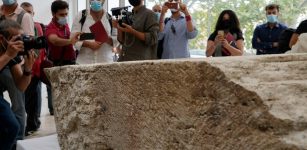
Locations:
{"points": [[9, 126], [17, 99]]}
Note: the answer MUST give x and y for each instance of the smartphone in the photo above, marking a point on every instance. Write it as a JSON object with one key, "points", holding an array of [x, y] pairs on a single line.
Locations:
{"points": [[221, 33], [172, 5], [87, 36]]}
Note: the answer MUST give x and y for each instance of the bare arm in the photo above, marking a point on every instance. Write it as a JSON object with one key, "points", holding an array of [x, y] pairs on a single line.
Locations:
{"points": [[162, 18], [210, 48], [12, 50], [4, 59], [234, 51], [293, 40], [129, 29], [22, 80], [184, 9], [55, 40]]}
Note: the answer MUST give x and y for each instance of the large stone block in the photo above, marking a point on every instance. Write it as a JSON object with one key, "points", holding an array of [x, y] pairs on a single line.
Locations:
{"points": [[212, 104]]}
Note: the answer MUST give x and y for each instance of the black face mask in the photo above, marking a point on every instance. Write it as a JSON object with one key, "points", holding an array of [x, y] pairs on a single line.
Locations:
{"points": [[135, 2], [226, 24]]}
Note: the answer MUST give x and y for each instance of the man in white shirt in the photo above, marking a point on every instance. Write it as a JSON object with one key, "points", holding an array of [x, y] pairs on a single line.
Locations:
{"points": [[91, 51]]}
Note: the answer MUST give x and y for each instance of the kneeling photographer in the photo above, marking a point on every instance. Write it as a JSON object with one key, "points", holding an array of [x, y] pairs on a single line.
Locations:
{"points": [[10, 46], [138, 33]]}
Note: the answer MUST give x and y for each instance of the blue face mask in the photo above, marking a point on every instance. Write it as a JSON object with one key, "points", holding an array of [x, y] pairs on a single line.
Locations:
{"points": [[158, 16], [9, 2], [272, 18], [62, 21], [96, 5]]}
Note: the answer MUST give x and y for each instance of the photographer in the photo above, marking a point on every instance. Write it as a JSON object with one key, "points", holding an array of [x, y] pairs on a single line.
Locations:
{"points": [[139, 39], [11, 10], [10, 46], [176, 31]]}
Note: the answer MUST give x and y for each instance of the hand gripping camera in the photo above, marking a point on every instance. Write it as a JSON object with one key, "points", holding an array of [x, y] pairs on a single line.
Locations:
{"points": [[31, 42], [122, 15]]}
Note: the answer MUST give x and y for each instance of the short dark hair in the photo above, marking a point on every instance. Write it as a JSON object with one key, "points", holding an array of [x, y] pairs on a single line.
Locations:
{"points": [[272, 6], [58, 5], [7, 24], [26, 4]]}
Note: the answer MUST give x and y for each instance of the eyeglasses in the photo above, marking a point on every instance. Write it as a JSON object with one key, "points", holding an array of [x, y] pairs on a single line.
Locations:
{"points": [[173, 29]]}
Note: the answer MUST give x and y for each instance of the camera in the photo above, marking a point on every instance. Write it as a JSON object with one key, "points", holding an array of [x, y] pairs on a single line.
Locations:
{"points": [[123, 15], [31, 42]]}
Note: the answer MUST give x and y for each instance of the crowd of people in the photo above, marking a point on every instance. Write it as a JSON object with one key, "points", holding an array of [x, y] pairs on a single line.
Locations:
{"points": [[150, 36]]}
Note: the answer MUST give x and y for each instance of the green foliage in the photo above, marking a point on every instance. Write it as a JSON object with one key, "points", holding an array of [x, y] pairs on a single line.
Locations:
{"points": [[250, 13]]}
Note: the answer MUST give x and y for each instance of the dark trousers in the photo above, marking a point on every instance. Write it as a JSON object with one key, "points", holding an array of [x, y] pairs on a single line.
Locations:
{"points": [[9, 126], [33, 104], [50, 105]]}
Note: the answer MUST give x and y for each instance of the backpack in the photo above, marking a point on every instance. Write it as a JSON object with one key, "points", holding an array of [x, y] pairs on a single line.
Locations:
{"points": [[161, 42], [20, 16], [284, 40], [83, 18]]}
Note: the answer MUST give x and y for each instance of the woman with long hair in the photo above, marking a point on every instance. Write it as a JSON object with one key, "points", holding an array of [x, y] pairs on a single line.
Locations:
{"points": [[227, 38]]}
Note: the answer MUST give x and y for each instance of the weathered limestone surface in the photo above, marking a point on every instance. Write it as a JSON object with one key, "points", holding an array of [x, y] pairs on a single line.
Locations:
{"points": [[235, 103]]}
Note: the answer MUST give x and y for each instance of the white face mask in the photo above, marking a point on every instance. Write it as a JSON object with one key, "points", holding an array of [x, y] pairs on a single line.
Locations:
{"points": [[62, 21], [174, 10]]}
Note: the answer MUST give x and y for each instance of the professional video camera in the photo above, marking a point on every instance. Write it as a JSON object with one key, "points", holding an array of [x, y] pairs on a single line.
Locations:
{"points": [[31, 42], [123, 15]]}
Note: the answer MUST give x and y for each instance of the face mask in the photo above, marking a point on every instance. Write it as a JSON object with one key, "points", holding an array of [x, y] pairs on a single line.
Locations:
{"points": [[96, 5], [226, 24], [62, 21], [174, 10], [158, 15], [135, 2], [9, 2], [272, 18]]}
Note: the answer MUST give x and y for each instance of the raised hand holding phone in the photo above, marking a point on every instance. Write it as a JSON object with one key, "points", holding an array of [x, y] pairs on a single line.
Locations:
{"points": [[172, 5]]}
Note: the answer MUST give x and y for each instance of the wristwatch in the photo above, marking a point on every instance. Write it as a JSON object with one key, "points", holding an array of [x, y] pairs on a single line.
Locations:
{"points": [[26, 72]]}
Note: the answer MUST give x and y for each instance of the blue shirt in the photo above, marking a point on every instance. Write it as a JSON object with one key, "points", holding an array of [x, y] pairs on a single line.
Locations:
{"points": [[264, 37], [176, 36]]}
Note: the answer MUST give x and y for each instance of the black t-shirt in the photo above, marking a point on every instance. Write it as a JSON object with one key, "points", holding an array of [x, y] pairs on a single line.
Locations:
{"points": [[302, 28], [13, 62]]}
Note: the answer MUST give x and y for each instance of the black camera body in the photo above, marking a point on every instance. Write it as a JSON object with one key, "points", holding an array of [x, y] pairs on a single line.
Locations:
{"points": [[31, 42], [123, 15]]}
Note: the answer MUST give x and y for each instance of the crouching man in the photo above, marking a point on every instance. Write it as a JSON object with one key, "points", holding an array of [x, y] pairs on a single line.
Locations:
{"points": [[20, 69]]}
